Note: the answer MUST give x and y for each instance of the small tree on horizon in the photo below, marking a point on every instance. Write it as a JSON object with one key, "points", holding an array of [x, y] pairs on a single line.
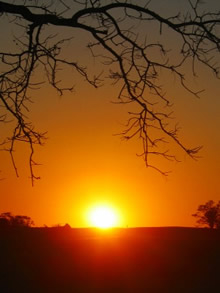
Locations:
{"points": [[208, 214], [9, 220]]}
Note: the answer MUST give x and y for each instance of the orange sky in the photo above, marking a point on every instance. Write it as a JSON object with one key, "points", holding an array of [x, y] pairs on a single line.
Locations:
{"points": [[83, 163]]}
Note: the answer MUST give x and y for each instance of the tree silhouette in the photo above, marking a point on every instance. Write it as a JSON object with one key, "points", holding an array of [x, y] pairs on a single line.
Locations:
{"points": [[9, 220], [122, 37], [209, 214]]}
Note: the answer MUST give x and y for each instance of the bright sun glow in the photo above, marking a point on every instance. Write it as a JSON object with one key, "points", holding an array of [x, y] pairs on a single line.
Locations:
{"points": [[103, 217]]}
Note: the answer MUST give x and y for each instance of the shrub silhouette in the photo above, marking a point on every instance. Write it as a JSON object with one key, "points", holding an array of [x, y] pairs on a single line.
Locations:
{"points": [[209, 214], [9, 220]]}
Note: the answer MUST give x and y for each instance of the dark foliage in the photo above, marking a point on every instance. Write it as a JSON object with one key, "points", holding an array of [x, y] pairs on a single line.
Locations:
{"points": [[9, 220], [208, 214]]}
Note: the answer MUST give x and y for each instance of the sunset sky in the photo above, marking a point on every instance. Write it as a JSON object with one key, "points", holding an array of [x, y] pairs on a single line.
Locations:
{"points": [[84, 163]]}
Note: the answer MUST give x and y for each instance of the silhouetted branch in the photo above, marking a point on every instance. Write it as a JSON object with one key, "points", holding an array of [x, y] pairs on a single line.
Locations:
{"points": [[113, 33]]}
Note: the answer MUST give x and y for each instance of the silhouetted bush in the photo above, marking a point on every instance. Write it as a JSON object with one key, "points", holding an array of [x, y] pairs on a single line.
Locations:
{"points": [[208, 214], [9, 220]]}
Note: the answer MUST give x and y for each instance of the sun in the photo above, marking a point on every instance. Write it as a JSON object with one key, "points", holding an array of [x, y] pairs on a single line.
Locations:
{"points": [[103, 217]]}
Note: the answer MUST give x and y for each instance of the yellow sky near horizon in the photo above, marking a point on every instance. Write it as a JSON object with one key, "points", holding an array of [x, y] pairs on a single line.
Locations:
{"points": [[84, 163]]}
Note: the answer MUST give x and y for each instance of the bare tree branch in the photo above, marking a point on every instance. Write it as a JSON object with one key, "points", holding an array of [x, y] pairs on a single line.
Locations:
{"points": [[114, 39]]}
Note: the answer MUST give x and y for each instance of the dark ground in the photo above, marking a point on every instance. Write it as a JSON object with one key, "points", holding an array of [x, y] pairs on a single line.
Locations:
{"points": [[65, 260]]}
